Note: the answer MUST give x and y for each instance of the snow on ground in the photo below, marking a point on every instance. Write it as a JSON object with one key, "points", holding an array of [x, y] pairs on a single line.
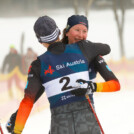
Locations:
{"points": [[115, 111]]}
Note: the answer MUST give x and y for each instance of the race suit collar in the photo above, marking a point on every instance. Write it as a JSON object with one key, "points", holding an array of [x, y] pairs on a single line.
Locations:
{"points": [[56, 48]]}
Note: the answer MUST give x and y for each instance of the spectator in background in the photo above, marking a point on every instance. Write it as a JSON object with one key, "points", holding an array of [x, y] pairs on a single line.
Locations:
{"points": [[12, 60], [27, 59]]}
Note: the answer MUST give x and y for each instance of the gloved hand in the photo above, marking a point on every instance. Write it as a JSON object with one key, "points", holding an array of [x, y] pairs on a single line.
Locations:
{"points": [[84, 87], [11, 122]]}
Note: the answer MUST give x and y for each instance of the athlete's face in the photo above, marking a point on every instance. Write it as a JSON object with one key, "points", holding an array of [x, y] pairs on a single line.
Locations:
{"points": [[77, 33]]}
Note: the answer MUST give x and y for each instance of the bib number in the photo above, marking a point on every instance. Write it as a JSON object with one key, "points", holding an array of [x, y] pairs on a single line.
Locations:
{"points": [[67, 80]]}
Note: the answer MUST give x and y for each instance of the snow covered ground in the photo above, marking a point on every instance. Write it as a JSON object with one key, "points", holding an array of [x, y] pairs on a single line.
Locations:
{"points": [[115, 110]]}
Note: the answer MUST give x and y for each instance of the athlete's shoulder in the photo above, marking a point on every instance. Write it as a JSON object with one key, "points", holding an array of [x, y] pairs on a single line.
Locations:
{"points": [[97, 47], [36, 62], [35, 67], [86, 45], [42, 56]]}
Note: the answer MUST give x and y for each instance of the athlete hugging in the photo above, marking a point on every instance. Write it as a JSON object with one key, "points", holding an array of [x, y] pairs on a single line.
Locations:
{"points": [[66, 72]]}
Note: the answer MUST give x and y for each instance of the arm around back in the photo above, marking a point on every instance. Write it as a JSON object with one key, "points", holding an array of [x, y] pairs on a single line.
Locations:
{"points": [[92, 50]]}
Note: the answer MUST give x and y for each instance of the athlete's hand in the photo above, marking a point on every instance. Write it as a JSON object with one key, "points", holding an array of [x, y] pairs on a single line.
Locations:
{"points": [[11, 122], [84, 87]]}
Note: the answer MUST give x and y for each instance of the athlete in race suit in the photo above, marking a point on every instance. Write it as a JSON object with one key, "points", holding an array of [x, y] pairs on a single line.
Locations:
{"points": [[56, 71]]}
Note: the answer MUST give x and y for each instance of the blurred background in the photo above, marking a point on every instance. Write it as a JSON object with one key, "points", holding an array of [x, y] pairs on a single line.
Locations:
{"points": [[110, 21]]}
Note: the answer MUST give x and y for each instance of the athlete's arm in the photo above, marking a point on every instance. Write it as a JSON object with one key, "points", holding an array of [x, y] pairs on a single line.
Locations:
{"points": [[111, 83], [92, 50], [33, 87], [11, 122]]}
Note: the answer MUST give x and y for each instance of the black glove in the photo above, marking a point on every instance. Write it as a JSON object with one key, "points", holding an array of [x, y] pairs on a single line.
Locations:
{"points": [[11, 122], [84, 87]]}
